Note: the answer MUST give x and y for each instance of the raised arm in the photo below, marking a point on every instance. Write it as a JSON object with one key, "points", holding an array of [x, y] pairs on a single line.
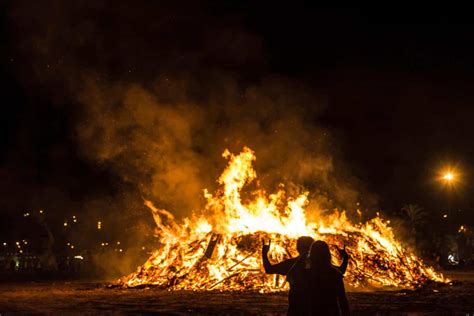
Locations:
{"points": [[345, 260], [280, 268], [266, 263]]}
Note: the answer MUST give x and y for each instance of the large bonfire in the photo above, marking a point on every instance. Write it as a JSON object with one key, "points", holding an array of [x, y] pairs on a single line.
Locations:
{"points": [[219, 248]]}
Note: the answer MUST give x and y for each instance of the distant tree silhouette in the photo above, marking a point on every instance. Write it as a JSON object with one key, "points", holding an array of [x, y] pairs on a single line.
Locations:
{"points": [[47, 257], [416, 217]]}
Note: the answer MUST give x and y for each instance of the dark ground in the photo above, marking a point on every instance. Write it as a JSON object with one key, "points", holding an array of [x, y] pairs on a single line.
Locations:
{"points": [[76, 297]]}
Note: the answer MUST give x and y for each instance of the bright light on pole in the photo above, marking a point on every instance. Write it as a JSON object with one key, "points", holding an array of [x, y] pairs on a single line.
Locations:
{"points": [[449, 176]]}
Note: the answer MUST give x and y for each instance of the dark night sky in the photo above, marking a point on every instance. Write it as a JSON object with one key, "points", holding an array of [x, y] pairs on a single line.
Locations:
{"points": [[398, 84]]}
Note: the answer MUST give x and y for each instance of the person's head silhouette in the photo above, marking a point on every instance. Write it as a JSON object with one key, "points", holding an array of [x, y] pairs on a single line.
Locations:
{"points": [[319, 254], [303, 244]]}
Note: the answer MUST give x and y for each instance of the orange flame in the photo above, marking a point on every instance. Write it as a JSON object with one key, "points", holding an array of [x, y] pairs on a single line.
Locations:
{"points": [[220, 248]]}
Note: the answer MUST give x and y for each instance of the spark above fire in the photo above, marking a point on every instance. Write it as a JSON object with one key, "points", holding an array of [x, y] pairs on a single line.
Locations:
{"points": [[219, 248]]}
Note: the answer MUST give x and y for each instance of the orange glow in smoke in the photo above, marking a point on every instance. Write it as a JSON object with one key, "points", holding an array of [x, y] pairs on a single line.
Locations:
{"points": [[219, 247]]}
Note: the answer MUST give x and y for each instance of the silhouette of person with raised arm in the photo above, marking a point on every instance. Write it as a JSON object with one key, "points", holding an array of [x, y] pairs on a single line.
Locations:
{"points": [[297, 294], [323, 283], [302, 246]]}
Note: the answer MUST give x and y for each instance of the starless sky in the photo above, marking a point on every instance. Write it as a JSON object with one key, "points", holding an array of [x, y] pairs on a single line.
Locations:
{"points": [[397, 84]]}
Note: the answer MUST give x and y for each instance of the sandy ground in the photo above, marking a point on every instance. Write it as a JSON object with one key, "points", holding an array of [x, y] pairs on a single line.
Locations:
{"points": [[94, 298]]}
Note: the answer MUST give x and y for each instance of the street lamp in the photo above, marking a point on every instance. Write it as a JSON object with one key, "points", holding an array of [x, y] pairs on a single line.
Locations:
{"points": [[449, 176]]}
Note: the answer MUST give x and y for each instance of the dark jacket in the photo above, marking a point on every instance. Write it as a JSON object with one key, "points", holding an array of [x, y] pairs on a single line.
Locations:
{"points": [[297, 295], [325, 292]]}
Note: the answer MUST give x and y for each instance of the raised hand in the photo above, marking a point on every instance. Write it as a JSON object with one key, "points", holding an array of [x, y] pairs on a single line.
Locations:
{"points": [[342, 252], [265, 246]]}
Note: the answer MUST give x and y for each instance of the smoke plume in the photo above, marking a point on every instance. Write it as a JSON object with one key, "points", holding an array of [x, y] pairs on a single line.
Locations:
{"points": [[159, 92]]}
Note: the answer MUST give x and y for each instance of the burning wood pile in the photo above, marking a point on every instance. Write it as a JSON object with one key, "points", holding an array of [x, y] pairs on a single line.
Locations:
{"points": [[219, 249]]}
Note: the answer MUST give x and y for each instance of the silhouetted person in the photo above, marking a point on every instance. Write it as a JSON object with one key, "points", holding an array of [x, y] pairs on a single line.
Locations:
{"points": [[325, 288], [303, 244], [297, 293]]}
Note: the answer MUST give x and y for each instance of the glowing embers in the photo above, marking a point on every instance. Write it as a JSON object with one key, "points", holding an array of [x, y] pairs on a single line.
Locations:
{"points": [[219, 249]]}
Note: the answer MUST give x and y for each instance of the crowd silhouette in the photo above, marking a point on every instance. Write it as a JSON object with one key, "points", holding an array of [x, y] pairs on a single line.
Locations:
{"points": [[316, 286]]}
